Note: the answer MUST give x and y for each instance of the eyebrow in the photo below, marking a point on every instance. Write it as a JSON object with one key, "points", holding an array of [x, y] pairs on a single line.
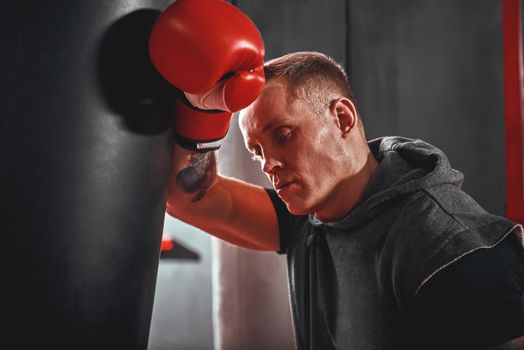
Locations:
{"points": [[264, 129], [268, 126]]}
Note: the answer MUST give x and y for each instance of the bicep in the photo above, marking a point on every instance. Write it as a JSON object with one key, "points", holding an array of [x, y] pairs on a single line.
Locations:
{"points": [[235, 211]]}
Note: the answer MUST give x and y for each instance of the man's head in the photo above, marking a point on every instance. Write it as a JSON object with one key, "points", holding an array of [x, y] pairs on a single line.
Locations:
{"points": [[305, 131]]}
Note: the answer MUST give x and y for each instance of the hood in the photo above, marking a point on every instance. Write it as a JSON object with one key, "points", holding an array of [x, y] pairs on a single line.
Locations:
{"points": [[405, 166]]}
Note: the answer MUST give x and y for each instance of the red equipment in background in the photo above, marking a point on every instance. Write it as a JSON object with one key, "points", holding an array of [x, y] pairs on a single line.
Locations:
{"points": [[512, 51], [171, 249]]}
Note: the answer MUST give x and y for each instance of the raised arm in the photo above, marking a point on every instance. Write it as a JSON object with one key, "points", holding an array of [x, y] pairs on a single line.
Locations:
{"points": [[230, 209], [213, 54]]}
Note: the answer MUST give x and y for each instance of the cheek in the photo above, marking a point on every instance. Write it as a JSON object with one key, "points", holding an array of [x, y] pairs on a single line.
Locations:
{"points": [[318, 171], [316, 157], [323, 159], [324, 166]]}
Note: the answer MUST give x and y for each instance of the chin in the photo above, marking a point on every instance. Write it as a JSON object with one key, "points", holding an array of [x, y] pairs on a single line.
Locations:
{"points": [[298, 208]]}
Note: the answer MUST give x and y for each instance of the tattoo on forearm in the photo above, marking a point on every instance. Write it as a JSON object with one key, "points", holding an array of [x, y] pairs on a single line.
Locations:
{"points": [[198, 177]]}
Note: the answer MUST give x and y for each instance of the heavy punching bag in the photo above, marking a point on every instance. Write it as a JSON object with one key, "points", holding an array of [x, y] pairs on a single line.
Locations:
{"points": [[85, 142]]}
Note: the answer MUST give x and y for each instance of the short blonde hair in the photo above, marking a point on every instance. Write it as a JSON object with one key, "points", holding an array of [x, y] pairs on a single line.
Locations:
{"points": [[313, 77]]}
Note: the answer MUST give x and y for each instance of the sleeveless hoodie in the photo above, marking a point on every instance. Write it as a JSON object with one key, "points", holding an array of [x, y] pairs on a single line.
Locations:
{"points": [[352, 281]]}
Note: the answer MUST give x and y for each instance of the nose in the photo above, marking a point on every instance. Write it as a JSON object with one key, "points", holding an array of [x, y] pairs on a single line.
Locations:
{"points": [[270, 164]]}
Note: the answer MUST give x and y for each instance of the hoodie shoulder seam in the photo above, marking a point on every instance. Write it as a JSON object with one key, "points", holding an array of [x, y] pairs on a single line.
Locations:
{"points": [[453, 217]]}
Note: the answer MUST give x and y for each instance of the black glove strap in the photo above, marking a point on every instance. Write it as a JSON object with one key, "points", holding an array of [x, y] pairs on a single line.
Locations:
{"points": [[197, 146]]}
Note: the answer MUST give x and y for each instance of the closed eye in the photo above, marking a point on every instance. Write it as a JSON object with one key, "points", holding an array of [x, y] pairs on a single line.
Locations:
{"points": [[283, 134]]}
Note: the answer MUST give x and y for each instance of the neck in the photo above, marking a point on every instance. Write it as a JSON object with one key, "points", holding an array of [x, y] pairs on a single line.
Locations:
{"points": [[349, 192]]}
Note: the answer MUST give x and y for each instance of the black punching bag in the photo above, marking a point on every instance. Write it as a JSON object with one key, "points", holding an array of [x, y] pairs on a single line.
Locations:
{"points": [[85, 142]]}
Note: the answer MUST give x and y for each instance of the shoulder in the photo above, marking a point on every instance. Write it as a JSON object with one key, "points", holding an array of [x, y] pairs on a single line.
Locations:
{"points": [[476, 301], [435, 227]]}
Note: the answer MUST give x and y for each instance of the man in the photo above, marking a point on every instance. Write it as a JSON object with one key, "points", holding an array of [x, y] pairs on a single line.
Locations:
{"points": [[384, 250]]}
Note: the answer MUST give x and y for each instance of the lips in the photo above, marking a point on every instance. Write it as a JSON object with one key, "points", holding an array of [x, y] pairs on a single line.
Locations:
{"points": [[281, 186]]}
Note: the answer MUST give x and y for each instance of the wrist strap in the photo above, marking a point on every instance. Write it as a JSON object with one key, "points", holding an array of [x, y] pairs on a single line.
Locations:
{"points": [[198, 124], [197, 146]]}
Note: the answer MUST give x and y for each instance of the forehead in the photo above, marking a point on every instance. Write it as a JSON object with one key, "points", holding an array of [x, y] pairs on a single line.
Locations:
{"points": [[272, 103]]}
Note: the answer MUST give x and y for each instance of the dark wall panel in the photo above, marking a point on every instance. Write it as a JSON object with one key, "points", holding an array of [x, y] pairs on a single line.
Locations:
{"points": [[294, 25], [433, 70]]}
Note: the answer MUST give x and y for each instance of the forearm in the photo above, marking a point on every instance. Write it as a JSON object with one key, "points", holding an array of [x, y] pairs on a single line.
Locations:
{"points": [[229, 209], [192, 174]]}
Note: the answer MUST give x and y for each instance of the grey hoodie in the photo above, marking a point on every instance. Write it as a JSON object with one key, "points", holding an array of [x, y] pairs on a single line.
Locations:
{"points": [[352, 280]]}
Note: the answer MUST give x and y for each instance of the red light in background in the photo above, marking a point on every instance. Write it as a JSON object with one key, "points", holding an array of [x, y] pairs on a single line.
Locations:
{"points": [[167, 243]]}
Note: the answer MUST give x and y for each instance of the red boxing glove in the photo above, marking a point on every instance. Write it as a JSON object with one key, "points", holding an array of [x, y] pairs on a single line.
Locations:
{"points": [[214, 54]]}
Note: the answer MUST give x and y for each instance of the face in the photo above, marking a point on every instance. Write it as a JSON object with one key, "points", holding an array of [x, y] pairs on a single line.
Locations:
{"points": [[300, 152]]}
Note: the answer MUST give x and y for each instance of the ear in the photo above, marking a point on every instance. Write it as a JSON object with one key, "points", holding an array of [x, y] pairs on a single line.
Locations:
{"points": [[346, 114]]}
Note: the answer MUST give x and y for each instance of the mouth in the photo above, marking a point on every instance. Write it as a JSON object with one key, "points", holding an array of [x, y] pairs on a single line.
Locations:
{"points": [[281, 187]]}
